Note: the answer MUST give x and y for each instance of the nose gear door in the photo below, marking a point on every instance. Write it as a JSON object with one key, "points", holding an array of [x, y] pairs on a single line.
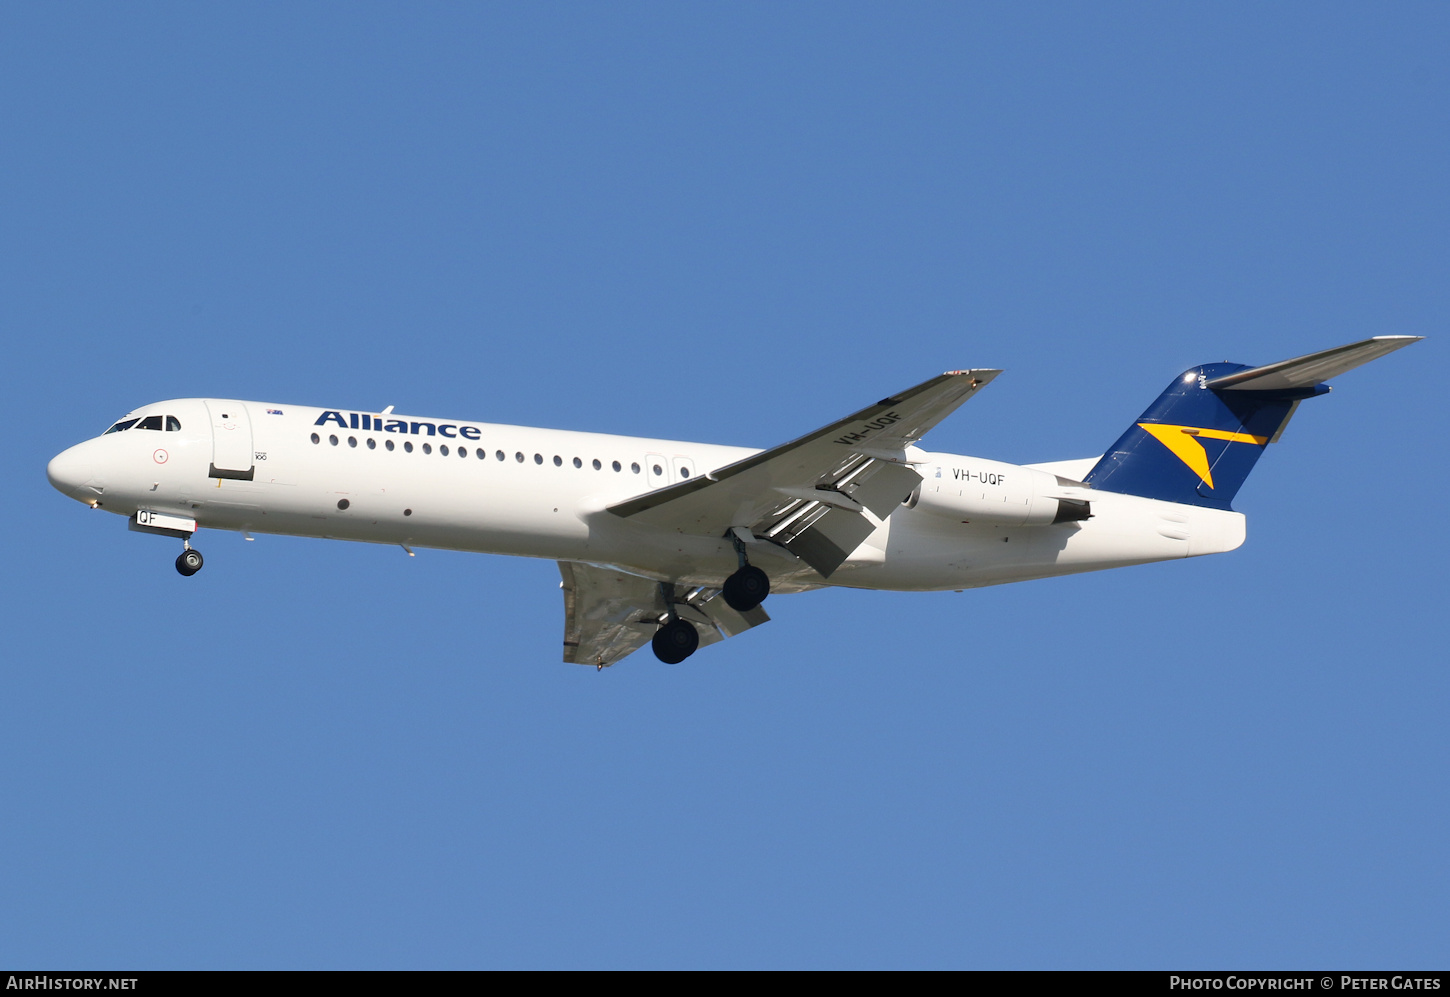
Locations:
{"points": [[231, 439]]}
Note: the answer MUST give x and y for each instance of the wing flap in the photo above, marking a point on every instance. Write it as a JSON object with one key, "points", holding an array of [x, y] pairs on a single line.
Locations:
{"points": [[828, 541], [886, 489], [731, 621]]}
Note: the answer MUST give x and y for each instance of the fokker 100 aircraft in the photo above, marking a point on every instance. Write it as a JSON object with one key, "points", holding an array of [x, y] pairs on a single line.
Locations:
{"points": [[678, 544]]}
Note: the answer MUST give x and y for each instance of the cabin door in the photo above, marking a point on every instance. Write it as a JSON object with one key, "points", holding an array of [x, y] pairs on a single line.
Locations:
{"points": [[231, 440]]}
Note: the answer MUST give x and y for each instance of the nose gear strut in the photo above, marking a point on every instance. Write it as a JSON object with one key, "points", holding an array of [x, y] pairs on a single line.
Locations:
{"points": [[189, 562]]}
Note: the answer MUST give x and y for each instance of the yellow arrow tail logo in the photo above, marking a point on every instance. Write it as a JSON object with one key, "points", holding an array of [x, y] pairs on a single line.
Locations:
{"points": [[1183, 441]]}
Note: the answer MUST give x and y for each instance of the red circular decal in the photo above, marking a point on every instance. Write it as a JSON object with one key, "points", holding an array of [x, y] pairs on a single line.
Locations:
{"points": [[159, 456]]}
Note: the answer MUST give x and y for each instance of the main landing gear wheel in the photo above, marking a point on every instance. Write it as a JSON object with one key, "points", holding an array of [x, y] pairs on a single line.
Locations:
{"points": [[746, 589], [675, 641], [189, 562]]}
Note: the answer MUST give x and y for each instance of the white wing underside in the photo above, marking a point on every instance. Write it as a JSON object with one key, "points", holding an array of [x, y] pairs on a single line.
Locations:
{"points": [[609, 613]]}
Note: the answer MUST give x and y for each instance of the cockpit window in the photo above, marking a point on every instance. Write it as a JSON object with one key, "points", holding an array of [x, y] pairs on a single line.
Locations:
{"points": [[120, 427], [150, 422], [173, 424]]}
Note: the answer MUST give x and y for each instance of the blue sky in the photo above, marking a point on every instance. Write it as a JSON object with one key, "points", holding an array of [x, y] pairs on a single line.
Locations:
{"points": [[730, 223]]}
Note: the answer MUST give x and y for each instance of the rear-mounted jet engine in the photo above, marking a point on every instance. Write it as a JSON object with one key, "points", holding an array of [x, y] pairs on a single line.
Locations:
{"points": [[993, 493]]}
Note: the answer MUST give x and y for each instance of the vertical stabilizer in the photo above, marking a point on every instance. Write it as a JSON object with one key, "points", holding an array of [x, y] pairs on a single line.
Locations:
{"points": [[1198, 442]]}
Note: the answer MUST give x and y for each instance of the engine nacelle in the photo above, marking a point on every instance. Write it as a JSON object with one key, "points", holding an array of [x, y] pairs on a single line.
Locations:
{"points": [[970, 490]]}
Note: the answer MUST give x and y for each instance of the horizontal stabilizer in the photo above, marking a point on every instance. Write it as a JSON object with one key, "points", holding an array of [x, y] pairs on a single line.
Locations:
{"points": [[1307, 371]]}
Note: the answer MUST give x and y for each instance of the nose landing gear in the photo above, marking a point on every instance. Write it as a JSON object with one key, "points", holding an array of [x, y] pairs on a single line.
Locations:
{"points": [[189, 562]]}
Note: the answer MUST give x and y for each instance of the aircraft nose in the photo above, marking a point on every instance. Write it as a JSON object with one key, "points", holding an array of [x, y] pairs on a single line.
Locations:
{"points": [[71, 474]]}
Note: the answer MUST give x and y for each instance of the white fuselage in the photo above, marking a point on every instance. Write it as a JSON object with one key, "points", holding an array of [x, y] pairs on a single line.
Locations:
{"points": [[516, 490]]}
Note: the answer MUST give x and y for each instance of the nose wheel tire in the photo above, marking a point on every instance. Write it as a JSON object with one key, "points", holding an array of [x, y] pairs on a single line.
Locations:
{"points": [[675, 641], [189, 563], [746, 589]]}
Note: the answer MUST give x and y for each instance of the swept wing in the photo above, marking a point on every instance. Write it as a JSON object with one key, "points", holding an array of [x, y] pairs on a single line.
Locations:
{"points": [[813, 494]]}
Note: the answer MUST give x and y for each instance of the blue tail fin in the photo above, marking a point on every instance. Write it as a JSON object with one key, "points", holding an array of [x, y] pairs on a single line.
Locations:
{"points": [[1198, 442], [1194, 444]]}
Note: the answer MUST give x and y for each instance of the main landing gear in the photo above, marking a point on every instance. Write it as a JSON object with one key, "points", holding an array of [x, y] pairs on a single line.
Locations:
{"points": [[189, 562], [748, 586], [745, 589], [676, 639]]}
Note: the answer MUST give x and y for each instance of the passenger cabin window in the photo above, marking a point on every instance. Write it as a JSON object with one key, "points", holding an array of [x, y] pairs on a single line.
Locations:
{"points": [[173, 424], [150, 422], [121, 426]]}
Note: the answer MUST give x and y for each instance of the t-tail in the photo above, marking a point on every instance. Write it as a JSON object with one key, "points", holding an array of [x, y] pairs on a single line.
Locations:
{"points": [[1198, 442]]}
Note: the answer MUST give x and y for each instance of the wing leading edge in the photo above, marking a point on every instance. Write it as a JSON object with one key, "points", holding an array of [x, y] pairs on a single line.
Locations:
{"points": [[820, 495]]}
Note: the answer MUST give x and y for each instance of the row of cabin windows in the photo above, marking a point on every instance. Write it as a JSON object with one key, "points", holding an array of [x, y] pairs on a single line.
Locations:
{"points": [[156, 422], [482, 454]]}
